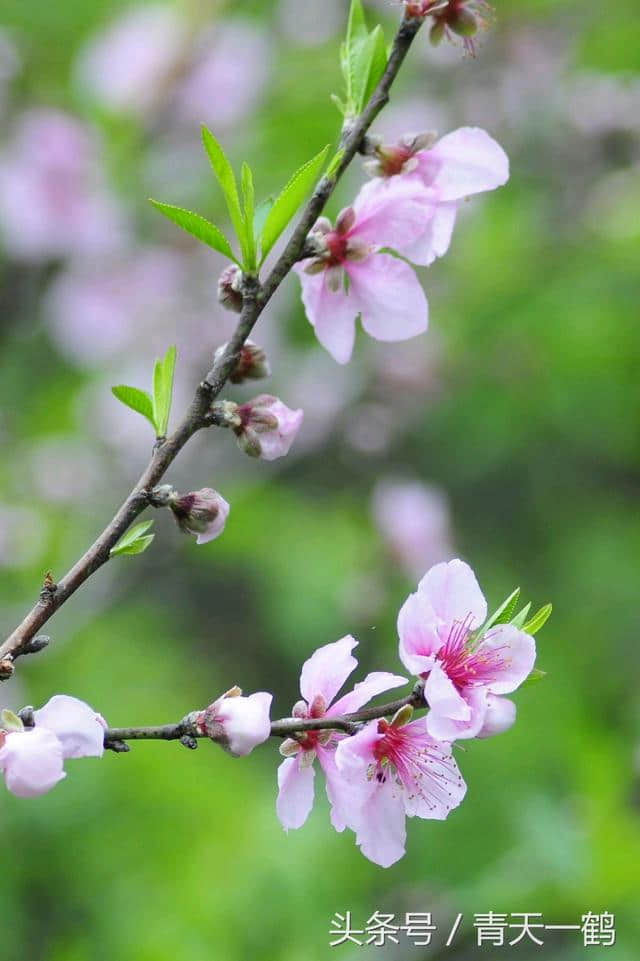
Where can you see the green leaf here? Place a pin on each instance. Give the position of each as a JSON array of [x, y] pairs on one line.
[[335, 163], [249, 202], [520, 618], [503, 613], [10, 722], [376, 66], [134, 541], [224, 173], [535, 676], [163, 390], [198, 227], [137, 400], [357, 35], [261, 214], [288, 202], [538, 620]]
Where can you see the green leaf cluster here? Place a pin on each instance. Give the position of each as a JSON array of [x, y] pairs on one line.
[[363, 59], [155, 407], [257, 228], [135, 541]]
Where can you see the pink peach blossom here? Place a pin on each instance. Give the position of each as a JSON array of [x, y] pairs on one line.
[[323, 674], [351, 277], [462, 676], [31, 759], [464, 162], [395, 771]]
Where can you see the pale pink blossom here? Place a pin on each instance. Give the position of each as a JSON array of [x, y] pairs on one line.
[[350, 277], [129, 65], [203, 513], [236, 722], [415, 523], [464, 162], [54, 201], [77, 726], [436, 626], [323, 674], [395, 771], [268, 427], [31, 759], [228, 76]]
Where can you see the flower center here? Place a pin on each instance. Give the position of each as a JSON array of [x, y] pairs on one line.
[[464, 666]]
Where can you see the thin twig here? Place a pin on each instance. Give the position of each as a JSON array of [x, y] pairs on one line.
[[255, 298], [285, 727]]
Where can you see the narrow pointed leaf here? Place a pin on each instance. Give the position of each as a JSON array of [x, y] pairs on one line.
[[535, 676], [538, 620], [289, 201], [376, 66], [521, 617], [198, 227], [226, 178], [132, 537], [136, 547], [137, 400], [163, 390], [249, 202]]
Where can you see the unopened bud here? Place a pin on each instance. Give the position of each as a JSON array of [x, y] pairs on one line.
[[252, 364], [203, 513], [7, 669], [230, 288], [268, 427]]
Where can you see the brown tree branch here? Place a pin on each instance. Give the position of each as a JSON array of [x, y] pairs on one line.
[[255, 298], [186, 730]]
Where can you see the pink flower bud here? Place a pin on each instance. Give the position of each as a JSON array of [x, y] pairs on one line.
[[203, 513], [268, 428], [237, 723], [252, 364], [230, 288]]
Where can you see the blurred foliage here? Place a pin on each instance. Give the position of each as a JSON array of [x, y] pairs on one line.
[[530, 424]]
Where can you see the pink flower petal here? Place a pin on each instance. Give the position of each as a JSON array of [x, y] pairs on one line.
[[419, 638], [438, 787], [327, 669], [340, 792], [393, 212], [445, 728], [466, 161], [499, 717], [295, 797], [373, 684], [381, 833], [76, 725], [31, 762], [443, 698], [454, 593], [333, 314], [517, 655], [217, 525], [435, 240], [389, 297]]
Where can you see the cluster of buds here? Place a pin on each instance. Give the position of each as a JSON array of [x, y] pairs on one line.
[[202, 513], [252, 363], [463, 18], [264, 427]]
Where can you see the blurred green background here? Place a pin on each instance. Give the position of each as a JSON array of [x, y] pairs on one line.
[[516, 419]]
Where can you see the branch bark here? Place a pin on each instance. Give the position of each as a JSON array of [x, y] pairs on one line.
[[255, 298], [186, 729]]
